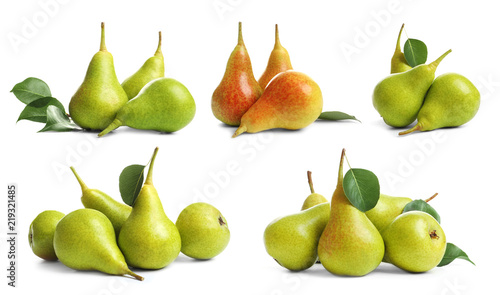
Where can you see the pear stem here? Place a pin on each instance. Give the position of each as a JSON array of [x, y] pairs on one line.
[[149, 178], [240, 130], [398, 46], [103, 37], [310, 181], [240, 34], [158, 50], [341, 168], [115, 124], [432, 197], [82, 184], [277, 43], [435, 63], [136, 276], [417, 127]]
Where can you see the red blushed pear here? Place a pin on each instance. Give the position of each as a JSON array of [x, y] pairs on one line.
[[292, 100], [279, 61], [238, 90]]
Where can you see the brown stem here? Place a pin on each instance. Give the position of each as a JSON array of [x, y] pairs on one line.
[[432, 197]]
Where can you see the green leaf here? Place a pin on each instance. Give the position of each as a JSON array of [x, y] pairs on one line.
[[36, 111], [415, 52], [362, 188], [421, 205], [31, 89], [452, 252], [131, 180], [336, 116], [58, 121]]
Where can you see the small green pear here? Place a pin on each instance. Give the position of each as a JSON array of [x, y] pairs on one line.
[[414, 241], [314, 198], [386, 210], [85, 240], [115, 211], [164, 105], [148, 238], [292, 240], [204, 231], [41, 234], [399, 97], [398, 61], [451, 101], [152, 69]]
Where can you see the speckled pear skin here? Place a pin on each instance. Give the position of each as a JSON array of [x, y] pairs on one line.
[[238, 90], [279, 61], [398, 61], [100, 96], [41, 234]]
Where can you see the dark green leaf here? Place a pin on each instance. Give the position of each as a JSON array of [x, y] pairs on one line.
[[453, 252], [362, 188], [131, 180], [30, 90], [57, 120], [37, 110], [336, 116], [421, 205], [415, 52]]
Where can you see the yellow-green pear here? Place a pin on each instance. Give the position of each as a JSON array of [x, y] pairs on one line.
[[386, 210], [41, 234], [398, 61], [314, 198]]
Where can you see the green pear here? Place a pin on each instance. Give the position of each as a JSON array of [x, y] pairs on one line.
[[292, 240], [386, 210], [152, 69], [115, 211], [98, 99], [414, 241], [399, 97], [148, 238], [204, 231], [398, 61], [350, 244], [41, 234], [164, 105], [451, 101], [314, 198], [85, 240]]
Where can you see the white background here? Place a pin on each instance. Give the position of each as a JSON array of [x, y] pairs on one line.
[[268, 169]]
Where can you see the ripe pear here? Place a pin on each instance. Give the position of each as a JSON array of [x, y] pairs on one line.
[[41, 234], [148, 238], [292, 100], [85, 240], [398, 61], [115, 211], [98, 99], [314, 198], [279, 62], [451, 101], [414, 241], [238, 90], [350, 244], [292, 240], [152, 69], [386, 210], [399, 97], [164, 105], [204, 231]]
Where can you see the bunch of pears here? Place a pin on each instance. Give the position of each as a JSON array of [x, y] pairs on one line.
[[110, 237], [281, 98], [145, 100], [349, 242], [411, 93]]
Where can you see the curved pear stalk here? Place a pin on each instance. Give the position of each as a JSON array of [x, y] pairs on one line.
[[279, 61], [398, 61]]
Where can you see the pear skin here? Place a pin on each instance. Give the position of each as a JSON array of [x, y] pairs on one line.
[[451, 101], [279, 61], [314, 198], [350, 245], [100, 96], [398, 61], [41, 234], [153, 68], [386, 210], [238, 90], [292, 100]]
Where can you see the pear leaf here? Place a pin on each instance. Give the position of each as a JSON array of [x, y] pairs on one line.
[[36, 110], [452, 252], [131, 180], [421, 205], [362, 188], [336, 116], [415, 52], [57, 120], [31, 89]]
